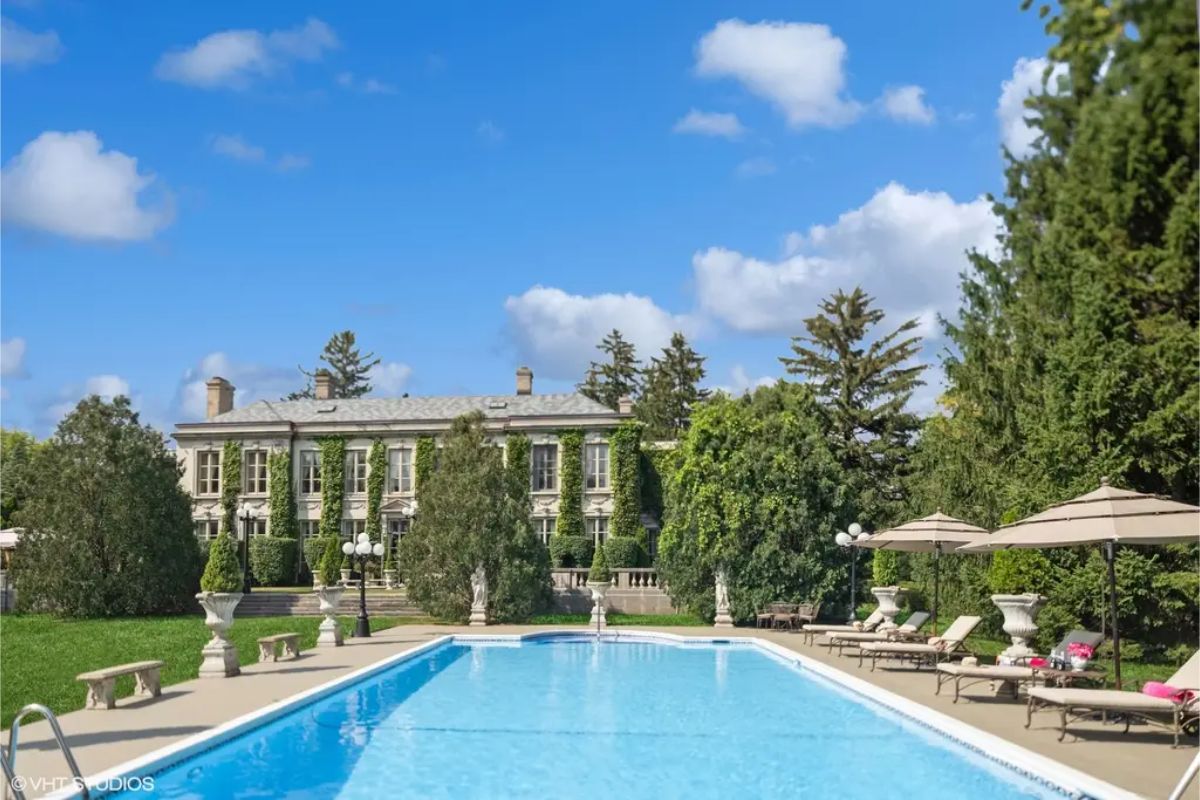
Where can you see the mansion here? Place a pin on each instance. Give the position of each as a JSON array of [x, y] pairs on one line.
[[296, 426]]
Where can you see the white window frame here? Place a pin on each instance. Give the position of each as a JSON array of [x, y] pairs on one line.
[[596, 455], [309, 528], [544, 528], [598, 529], [254, 483], [355, 472], [351, 528], [206, 529], [310, 472], [539, 473], [400, 470], [258, 526], [208, 473]]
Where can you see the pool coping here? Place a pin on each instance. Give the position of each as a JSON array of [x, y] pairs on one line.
[[1000, 751]]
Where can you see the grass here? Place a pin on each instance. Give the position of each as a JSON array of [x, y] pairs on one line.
[[41, 655], [615, 620]]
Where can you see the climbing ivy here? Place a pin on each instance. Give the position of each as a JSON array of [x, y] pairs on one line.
[[625, 444], [283, 502], [333, 467], [516, 466], [231, 486], [570, 477], [376, 477], [423, 459]]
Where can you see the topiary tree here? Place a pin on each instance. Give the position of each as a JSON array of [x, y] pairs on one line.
[[376, 478], [314, 551], [885, 568], [231, 485], [333, 467], [599, 571], [108, 529], [331, 561], [223, 573]]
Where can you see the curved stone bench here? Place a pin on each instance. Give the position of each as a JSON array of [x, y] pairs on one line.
[[102, 682]]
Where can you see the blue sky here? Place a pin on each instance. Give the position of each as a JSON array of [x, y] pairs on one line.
[[218, 187]]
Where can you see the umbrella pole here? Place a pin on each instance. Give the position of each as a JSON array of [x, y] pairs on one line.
[[937, 552], [1110, 556]]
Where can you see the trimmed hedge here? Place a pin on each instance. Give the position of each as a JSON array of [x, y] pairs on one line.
[[570, 551], [314, 550], [624, 551], [273, 560]]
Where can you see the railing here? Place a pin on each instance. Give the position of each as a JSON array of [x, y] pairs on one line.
[[622, 577]]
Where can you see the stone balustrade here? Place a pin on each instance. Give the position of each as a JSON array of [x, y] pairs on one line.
[[622, 577]]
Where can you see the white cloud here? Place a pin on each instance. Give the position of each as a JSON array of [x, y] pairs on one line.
[[710, 123], [12, 358], [106, 386], [905, 248], [740, 382], [907, 104], [490, 132], [235, 58], [21, 47], [63, 184], [253, 382], [796, 66], [556, 333], [389, 378], [1026, 80], [367, 86], [237, 148], [755, 168]]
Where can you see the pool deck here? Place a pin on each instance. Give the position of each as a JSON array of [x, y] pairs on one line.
[[1142, 761]]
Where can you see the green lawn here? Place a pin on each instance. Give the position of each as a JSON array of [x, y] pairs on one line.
[[41, 655]]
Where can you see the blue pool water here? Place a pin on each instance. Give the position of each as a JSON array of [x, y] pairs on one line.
[[581, 719]]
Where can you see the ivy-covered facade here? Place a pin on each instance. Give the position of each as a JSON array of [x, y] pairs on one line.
[[383, 446]]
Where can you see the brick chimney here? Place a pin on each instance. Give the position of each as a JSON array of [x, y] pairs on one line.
[[524, 380], [625, 405], [220, 396], [323, 382]]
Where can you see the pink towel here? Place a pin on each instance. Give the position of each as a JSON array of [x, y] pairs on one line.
[[1156, 689]]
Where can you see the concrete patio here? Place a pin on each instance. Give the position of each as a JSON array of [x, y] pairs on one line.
[[1142, 761]]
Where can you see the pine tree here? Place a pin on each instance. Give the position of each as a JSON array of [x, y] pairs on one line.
[[618, 377], [863, 389], [672, 389], [348, 367]]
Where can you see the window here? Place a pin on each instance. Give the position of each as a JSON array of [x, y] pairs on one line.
[[400, 478], [351, 528], [597, 528], [255, 471], [397, 527], [544, 528], [356, 471], [545, 467], [258, 526], [310, 528], [597, 466], [310, 472], [207, 528], [208, 472]]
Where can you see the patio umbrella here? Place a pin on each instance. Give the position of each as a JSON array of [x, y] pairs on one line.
[[1108, 516], [929, 534]]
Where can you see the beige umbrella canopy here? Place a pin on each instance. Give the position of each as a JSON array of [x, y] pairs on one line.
[[1110, 516], [931, 534]]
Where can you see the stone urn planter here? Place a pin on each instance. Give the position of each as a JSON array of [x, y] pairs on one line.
[[888, 597], [345, 575], [330, 630], [220, 655], [1020, 612], [599, 612], [389, 578]]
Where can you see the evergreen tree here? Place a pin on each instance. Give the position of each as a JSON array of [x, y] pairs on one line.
[[620, 376], [672, 389], [346, 365], [863, 389], [17, 449]]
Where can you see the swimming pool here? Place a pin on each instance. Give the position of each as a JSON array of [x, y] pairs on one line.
[[634, 716]]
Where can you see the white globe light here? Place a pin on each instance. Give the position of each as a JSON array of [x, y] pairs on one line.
[[843, 539], [855, 529], [363, 537], [377, 549], [363, 548], [862, 537], [348, 548]]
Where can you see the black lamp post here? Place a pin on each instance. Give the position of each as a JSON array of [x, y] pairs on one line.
[[847, 539], [361, 551], [247, 521]]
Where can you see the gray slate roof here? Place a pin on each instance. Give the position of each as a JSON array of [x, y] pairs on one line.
[[402, 409]]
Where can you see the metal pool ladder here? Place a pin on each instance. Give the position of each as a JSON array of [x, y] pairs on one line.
[[9, 759]]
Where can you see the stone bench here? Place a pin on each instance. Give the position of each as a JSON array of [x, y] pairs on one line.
[[267, 649], [102, 682]]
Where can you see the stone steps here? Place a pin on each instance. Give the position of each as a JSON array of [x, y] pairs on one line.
[[284, 604]]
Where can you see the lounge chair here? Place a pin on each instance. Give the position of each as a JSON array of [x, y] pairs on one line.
[[910, 630], [869, 624], [1012, 675], [1076, 704], [935, 650]]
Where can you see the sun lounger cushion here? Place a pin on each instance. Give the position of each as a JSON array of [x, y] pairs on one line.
[[987, 671], [1103, 698], [900, 647]]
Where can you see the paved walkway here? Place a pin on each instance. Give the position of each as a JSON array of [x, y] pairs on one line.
[[1142, 761]]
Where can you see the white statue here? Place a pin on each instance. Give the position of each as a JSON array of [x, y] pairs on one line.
[[479, 593], [723, 618]]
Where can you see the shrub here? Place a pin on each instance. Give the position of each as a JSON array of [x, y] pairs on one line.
[[282, 499], [331, 561], [314, 551], [222, 573], [1020, 571], [625, 444], [623, 551], [231, 465], [273, 560], [333, 467], [885, 568], [570, 483], [571, 551], [599, 572]]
